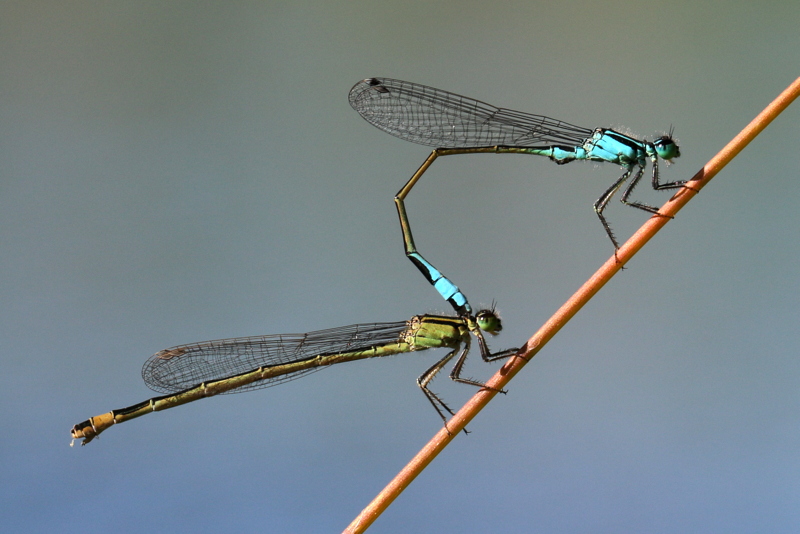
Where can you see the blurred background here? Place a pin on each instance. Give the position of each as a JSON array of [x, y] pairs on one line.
[[178, 171]]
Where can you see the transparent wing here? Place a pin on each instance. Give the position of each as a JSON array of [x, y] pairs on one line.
[[185, 366], [437, 118]]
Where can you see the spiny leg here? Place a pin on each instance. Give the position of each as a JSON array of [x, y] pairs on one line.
[[487, 355], [455, 374], [656, 186], [633, 183], [434, 399], [602, 202]]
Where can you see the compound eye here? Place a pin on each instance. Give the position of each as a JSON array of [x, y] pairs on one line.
[[488, 322], [666, 148]]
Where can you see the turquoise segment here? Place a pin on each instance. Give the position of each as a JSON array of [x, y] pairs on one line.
[[603, 145], [564, 155], [613, 147], [447, 289]]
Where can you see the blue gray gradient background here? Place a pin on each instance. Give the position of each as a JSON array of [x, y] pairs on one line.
[[179, 171]]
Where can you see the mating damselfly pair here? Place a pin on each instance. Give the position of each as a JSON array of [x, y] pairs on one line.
[[453, 124]]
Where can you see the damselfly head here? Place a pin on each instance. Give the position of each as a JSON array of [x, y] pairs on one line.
[[488, 321], [666, 148]]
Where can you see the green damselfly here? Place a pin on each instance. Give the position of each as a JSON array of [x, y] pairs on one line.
[[191, 372], [456, 124]]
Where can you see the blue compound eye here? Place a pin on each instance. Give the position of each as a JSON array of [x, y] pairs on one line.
[[666, 148]]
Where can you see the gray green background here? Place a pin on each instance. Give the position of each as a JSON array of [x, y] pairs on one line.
[[181, 171]]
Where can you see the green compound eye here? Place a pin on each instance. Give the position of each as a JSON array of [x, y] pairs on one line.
[[488, 321]]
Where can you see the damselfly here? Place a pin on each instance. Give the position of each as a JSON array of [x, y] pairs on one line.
[[191, 372], [456, 124]]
